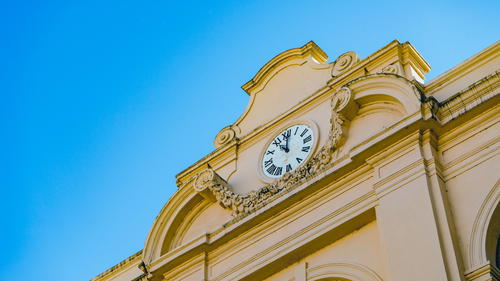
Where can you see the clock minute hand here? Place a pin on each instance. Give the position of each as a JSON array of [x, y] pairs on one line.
[[286, 148]]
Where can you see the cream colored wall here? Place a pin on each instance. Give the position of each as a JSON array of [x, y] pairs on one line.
[[287, 87], [470, 158], [191, 270], [205, 218], [372, 118], [268, 239], [361, 247]]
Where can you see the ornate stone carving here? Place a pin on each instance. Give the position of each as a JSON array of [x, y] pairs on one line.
[[210, 185], [344, 62], [391, 69], [207, 182], [226, 135]]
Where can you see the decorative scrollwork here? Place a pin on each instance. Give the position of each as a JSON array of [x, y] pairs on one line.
[[226, 135], [344, 62], [391, 69], [241, 204], [341, 99]]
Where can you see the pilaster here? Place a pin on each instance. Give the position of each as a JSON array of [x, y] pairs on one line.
[[406, 214]]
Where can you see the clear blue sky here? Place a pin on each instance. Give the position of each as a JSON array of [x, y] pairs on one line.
[[103, 102]]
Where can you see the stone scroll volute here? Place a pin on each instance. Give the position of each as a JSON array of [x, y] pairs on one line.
[[225, 136], [344, 62]]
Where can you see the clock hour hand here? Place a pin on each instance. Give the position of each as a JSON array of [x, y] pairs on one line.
[[285, 147], [287, 142]]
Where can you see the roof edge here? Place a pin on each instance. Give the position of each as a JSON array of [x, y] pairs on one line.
[[309, 49], [117, 266], [460, 69]]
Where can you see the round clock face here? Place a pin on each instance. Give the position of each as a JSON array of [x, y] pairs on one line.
[[288, 150]]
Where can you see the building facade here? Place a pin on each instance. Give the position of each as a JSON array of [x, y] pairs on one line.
[[350, 170]]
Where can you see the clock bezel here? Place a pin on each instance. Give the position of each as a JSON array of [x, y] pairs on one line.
[[311, 124]]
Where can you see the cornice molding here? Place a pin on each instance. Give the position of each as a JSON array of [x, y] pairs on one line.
[[116, 268], [409, 55], [309, 49], [468, 98], [463, 68]]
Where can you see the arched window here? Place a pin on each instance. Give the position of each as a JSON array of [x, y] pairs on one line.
[[341, 271], [484, 240], [498, 252], [493, 238]]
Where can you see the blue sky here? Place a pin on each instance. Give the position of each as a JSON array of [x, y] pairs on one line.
[[104, 102]]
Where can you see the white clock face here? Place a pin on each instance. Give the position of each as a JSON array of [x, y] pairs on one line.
[[288, 150]]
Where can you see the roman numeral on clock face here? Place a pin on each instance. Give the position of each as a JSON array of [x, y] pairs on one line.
[[271, 169], [299, 159], [307, 139], [306, 148], [277, 142], [268, 162], [304, 132], [287, 134], [270, 152], [278, 171], [288, 168]]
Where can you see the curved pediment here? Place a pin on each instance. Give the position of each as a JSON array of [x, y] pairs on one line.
[[281, 84], [281, 61]]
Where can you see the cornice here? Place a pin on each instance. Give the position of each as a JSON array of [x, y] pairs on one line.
[[116, 268], [309, 49], [468, 98], [411, 56], [474, 62], [472, 125]]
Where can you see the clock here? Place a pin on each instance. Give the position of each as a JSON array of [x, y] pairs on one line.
[[288, 150]]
